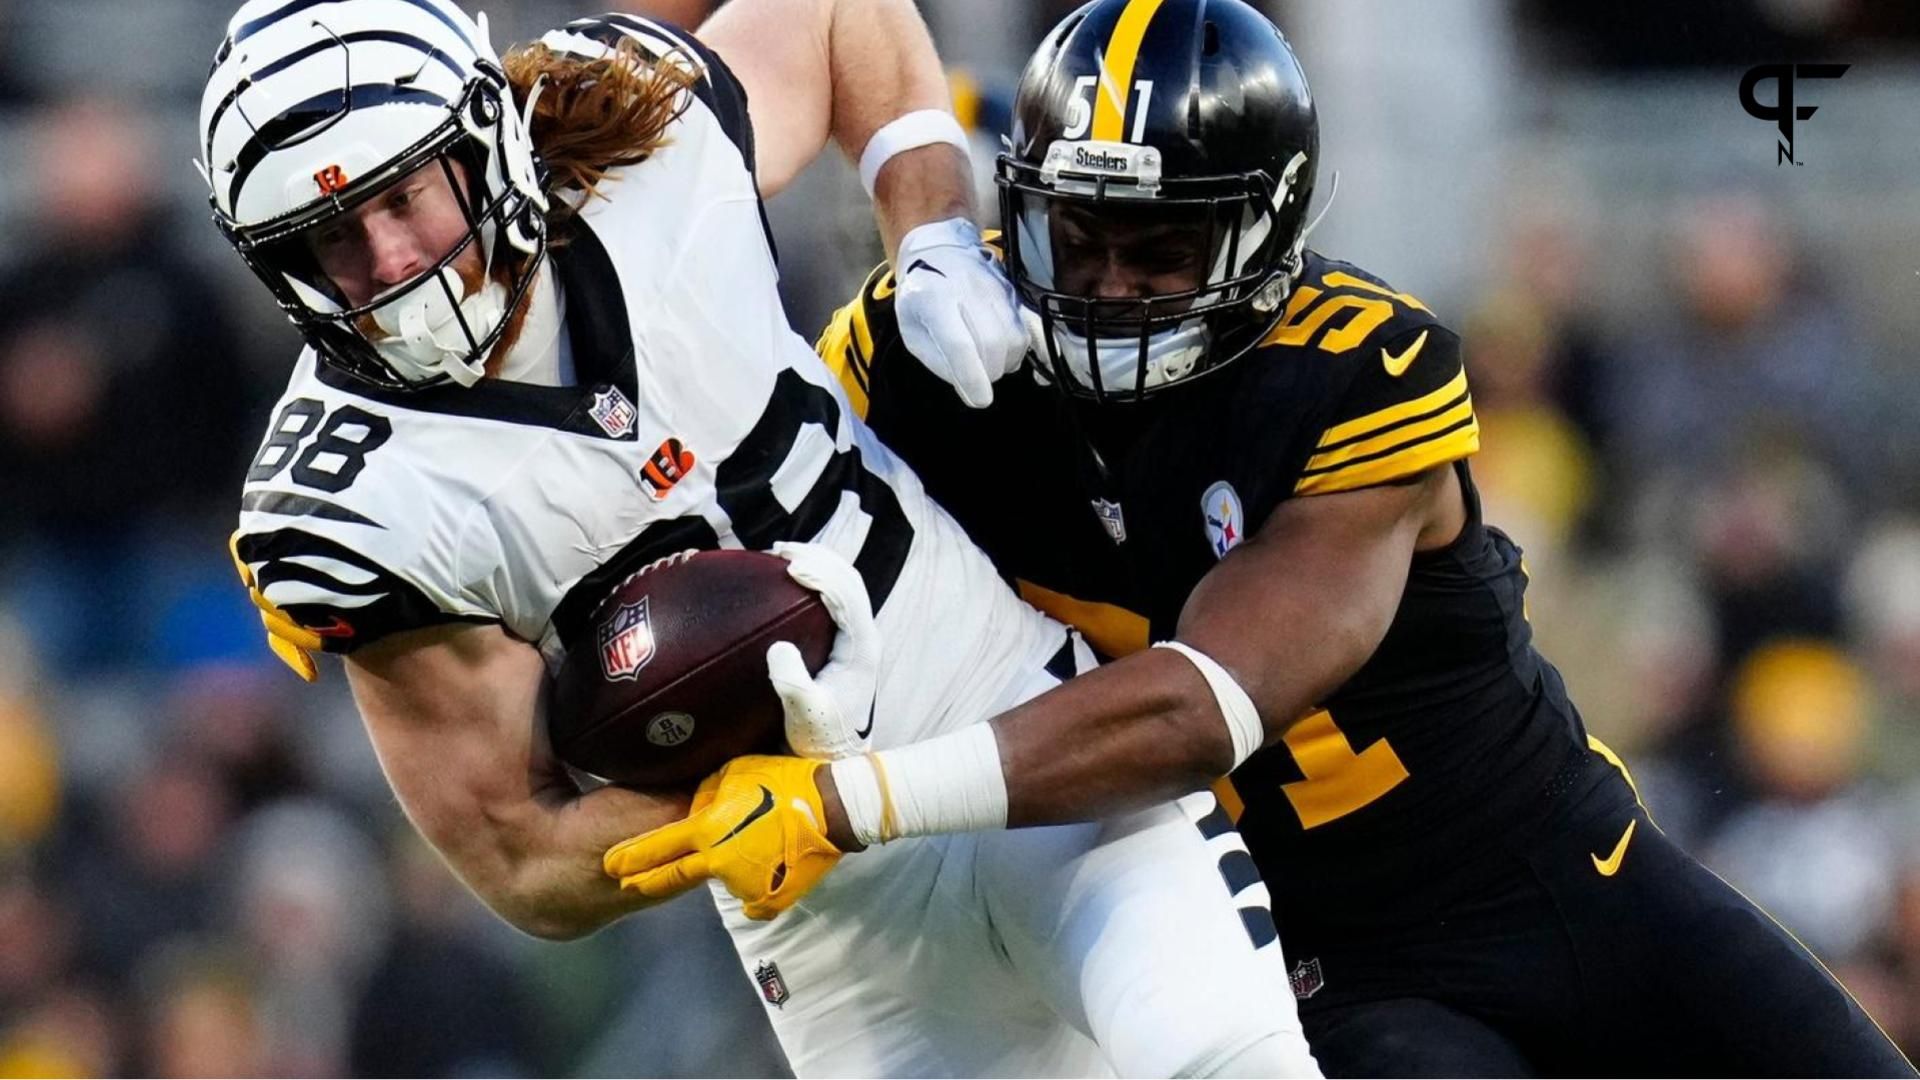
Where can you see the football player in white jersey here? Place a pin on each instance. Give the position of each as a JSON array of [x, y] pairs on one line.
[[544, 350]]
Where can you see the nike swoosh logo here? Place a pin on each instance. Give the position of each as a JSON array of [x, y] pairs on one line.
[[338, 628], [868, 730], [1610, 865], [922, 264], [1398, 365], [765, 808]]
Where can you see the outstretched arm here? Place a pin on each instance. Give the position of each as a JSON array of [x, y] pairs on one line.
[[1291, 614], [1288, 616], [456, 716], [843, 69]]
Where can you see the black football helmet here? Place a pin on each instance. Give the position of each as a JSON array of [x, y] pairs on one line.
[[1154, 191]]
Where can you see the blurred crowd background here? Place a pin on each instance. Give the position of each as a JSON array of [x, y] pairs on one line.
[[1696, 369]]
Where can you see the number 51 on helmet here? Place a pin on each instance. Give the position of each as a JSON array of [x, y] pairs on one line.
[[1154, 191]]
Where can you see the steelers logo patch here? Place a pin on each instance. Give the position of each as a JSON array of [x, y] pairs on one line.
[[1226, 522]]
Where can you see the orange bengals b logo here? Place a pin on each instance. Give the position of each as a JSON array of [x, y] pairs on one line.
[[669, 465], [331, 179]]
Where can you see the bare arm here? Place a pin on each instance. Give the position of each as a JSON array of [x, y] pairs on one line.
[[1292, 614], [815, 69], [454, 714]]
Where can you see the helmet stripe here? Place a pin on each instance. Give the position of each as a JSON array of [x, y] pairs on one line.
[[293, 7], [248, 29], [1116, 69], [297, 120], [397, 37]]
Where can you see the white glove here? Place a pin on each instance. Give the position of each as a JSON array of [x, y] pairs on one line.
[[829, 715], [957, 309]]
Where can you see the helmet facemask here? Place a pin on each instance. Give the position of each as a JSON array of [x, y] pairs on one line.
[[443, 321], [1132, 282]]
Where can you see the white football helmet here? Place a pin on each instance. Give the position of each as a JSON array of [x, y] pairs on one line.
[[315, 106]]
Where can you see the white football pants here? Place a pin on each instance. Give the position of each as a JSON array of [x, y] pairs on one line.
[[1113, 947]]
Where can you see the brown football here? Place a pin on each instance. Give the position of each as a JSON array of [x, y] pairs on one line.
[[669, 678]]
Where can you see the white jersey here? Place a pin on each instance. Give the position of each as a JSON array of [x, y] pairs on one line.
[[701, 420]]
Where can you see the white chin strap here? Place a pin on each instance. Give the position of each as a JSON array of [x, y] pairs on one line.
[[1172, 354], [424, 339]]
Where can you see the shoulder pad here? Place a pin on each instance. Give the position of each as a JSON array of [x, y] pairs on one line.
[[1405, 408], [317, 594], [354, 548], [1396, 399]]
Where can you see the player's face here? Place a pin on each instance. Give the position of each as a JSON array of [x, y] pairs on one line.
[[393, 237], [1117, 252]]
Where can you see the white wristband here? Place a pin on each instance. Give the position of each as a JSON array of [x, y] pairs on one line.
[[1243, 720], [909, 132], [949, 783]]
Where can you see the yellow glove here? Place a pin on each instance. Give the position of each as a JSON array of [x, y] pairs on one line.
[[757, 826]]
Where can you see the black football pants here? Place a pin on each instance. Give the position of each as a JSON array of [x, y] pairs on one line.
[[1656, 968]]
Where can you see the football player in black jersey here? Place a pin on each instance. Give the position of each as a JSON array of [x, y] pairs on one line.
[[1257, 455]]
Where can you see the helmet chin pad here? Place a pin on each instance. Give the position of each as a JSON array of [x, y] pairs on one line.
[[1171, 354], [430, 335]]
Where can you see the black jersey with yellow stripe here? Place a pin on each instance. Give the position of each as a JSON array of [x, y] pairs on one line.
[[1410, 775]]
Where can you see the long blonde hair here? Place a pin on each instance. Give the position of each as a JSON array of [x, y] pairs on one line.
[[593, 115]]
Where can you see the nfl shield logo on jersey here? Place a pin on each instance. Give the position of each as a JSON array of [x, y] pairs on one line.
[[1111, 519], [626, 641], [613, 412], [772, 986], [1306, 978], [1225, 520]]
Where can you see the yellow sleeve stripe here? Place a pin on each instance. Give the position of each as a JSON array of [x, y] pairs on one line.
[[862, 356], [1116, 71], [836, 347], [1398, 436], [1393, 414], [1415, 459], [847, 343]]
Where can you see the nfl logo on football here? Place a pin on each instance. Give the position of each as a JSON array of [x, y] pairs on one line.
[[626, 641]]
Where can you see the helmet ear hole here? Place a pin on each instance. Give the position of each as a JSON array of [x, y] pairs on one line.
[[485, 109]]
